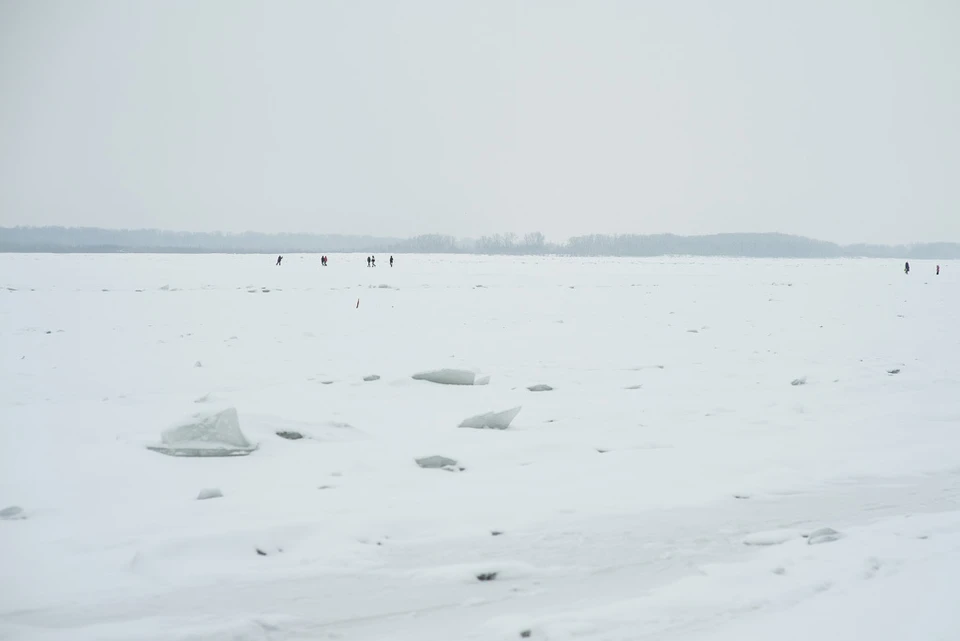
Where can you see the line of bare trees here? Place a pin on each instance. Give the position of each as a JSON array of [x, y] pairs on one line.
[[64, 239]]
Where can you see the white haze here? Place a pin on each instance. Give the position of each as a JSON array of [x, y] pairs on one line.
[[835, 120]]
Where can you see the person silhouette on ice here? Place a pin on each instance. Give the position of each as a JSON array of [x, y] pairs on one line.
[[906, 268], [391, 263], [279, 260], [368, 261]]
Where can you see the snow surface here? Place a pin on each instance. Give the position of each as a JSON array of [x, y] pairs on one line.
[[613, 500]]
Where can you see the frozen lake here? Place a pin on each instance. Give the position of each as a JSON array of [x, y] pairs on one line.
[[706, 415]]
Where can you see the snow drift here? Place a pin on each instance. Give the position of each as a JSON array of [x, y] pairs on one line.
[[823, 535]]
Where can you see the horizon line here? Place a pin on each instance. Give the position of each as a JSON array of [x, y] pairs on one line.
[[514, 236]]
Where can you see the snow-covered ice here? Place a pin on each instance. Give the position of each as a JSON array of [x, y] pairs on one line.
[[609, 510]]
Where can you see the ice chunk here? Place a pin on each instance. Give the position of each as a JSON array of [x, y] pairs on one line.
[[210, 493], [823, 535], [435, 462], [540, 388], [799, 381], [290, 435], [492, 420], [452, 377], [12, 513], [206, 434], [371, 378], [222, 428]]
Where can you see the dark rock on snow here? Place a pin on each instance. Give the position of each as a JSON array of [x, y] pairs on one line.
[[12, 513], [540, 388]]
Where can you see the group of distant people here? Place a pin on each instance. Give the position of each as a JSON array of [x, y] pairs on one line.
[[906, 268], [371, 261]]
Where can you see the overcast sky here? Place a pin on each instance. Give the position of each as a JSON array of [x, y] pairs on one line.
[[833, 119]]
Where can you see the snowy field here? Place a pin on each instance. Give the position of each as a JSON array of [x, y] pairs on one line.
[[706, 417]]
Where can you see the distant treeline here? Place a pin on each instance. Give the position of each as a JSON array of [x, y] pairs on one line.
[[93, 240]]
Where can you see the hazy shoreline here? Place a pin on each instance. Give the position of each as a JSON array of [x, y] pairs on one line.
[[62, 240]]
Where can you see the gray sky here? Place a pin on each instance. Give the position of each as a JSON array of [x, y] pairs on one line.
[[838, 120]]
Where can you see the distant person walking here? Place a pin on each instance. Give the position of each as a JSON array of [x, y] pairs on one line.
[[391, 264], [906, 268], [368, 261], [279, 260], [938, 270], [373, 261]]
